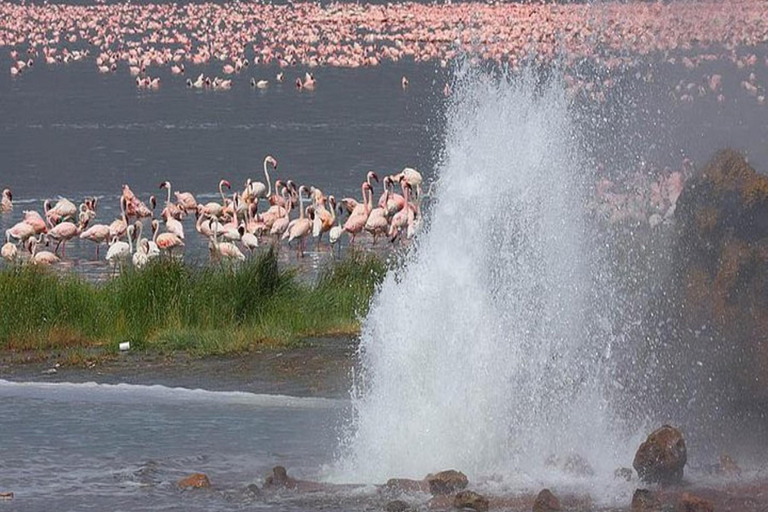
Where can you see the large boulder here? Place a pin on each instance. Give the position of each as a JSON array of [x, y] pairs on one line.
[[279, 479], [396, 506], [446, 482], [546, 502], [645, 501], [662, 457], [690, 503], [470, 500]]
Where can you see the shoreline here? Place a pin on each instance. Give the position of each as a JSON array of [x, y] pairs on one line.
[[315, 367]]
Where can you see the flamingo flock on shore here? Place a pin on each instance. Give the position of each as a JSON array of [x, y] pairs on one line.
[[232, 38], [268, 212]]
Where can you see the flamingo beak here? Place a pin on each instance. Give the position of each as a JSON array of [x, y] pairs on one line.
[[375, 176], [226, 184]]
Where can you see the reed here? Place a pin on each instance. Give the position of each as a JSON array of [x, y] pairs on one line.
[[171, 305]]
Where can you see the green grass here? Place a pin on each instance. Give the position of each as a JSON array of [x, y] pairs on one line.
[[172, 306]]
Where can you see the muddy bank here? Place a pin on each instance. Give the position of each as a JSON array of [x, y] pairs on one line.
[[316, 367]]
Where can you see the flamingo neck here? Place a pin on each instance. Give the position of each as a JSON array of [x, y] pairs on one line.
[[168, 199], [269, 182]]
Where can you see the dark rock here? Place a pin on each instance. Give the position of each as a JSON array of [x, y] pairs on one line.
[[728, 466], [577, 465], [690, 503], [194, 481], [253, 490], [624, 474], [645, 501], [407, 485], [396, 506], [470, 500], [546, 502], [662, 457], [279, 479], [446, 482]]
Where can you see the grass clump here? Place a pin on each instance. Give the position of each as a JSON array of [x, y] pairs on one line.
[[171, 305]]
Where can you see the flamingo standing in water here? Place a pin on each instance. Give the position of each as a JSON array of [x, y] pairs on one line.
[[6, 202], [356, 221], [166, 241], [299, 228], [9, 252], [66, 231], [186, 201], [63, 210], [40, 257], [335, 234], [259, 189], [222, 250], [118, 227], [120, 252], [214, 209], [404, 217], [98, 234]]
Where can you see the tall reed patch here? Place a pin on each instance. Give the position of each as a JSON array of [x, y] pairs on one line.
[[171, 305]]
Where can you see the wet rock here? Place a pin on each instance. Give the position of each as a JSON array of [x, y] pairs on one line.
[[253, 490], [194, 481], [577, 465], [546, 502], [690, 503], [470, 500], [728, 466], [662, 457], [624, 474], [407, 485], [446, 482], [279, 479], [396, 506], [645, 501]]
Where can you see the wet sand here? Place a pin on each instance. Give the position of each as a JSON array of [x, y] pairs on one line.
[[316, 367]]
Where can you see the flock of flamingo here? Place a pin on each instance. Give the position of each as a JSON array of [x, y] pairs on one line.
[[235, 36], [292, 214]]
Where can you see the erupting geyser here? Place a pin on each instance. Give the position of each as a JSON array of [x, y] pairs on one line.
[[490, 352]]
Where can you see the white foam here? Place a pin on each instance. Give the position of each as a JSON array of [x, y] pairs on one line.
[[136, 393], [481, 353]]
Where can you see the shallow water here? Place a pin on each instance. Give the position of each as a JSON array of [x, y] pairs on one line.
[[123, 447]]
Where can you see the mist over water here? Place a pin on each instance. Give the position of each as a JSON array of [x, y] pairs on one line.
[[491, 350]]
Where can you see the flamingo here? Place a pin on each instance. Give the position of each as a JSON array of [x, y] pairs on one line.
[[280, 225], [6, 203], [356, 221], [259, 189], [119, 252], [9, 252], [40, 257], [35, 220], [404, 216], [412, 177], [167, 242], [141, 256], [377, 222], [324, 219], [21, 231], [222, 250], [66, 231], [186, 201], [214, 209], [119, 226], [63, 210], [249, 240], [98, 234], [336, 231], [301, 227]]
